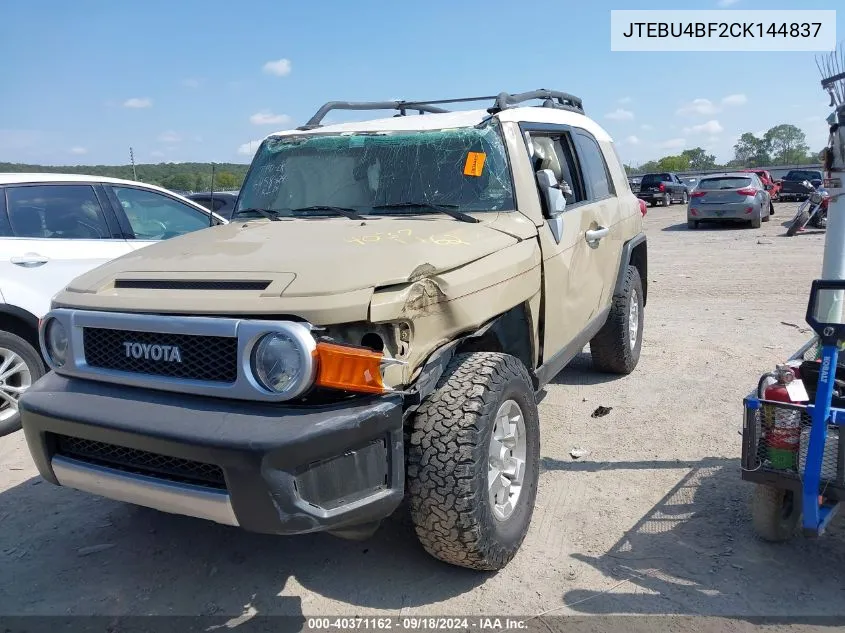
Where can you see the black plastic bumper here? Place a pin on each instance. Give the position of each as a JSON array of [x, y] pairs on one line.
[[282, 469]]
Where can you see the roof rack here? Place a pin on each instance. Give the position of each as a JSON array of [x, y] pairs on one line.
[[502, 101]]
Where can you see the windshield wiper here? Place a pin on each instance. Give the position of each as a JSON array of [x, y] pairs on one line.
[[448, 209], [267, 213], [352, 214]]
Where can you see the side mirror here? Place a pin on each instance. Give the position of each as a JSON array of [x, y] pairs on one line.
[[550, 188]]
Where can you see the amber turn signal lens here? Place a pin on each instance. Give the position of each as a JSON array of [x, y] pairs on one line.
[[349, 368]]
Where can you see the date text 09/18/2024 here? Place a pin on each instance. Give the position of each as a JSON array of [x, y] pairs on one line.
[[416, 623]]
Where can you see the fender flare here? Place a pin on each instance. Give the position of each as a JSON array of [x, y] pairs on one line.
[[627, 253], [19, 313]]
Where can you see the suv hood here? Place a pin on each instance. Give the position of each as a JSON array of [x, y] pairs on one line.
[[296, 258]]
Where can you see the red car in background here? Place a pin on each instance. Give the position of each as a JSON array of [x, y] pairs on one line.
[[767, 179]]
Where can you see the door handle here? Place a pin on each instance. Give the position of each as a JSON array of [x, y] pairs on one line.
[[595, 235], [30, 260]]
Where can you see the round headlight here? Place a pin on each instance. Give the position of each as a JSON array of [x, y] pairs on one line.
[[278, 362], [55, 338]]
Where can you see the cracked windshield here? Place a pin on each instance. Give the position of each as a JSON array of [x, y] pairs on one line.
[[462, 170]]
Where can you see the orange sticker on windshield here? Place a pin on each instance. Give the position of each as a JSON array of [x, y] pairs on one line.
[[475, 163]]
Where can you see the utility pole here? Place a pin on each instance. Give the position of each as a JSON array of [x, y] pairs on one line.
[[132, 160], [833, 266]]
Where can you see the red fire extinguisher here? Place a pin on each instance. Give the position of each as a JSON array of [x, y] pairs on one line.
[[781, 425]]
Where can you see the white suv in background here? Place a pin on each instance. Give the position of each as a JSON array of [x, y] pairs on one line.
[[53, 228]]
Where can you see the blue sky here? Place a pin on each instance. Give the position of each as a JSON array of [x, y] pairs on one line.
[[197, 81]]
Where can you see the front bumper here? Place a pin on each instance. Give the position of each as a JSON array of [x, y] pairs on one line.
[[261, 466]]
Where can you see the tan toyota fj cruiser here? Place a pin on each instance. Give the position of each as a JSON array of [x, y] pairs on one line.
[[373, 325]]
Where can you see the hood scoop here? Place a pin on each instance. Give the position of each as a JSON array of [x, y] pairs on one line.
[[193, 284]]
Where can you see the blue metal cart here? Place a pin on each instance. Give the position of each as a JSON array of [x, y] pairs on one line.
[[803, 483]]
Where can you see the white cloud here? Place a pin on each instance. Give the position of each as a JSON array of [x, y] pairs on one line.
[[710, 127], [631, 140], [248, 149], [138, 102], [78, 150], [698, 106], [727, 3], [191, 82], [280, 67], [625, 100], [673, 143], [647, 127], [265, 117], [620, 114], [735, 100], [170, 137]]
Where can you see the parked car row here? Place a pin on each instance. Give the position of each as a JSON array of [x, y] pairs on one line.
[[55, 227]]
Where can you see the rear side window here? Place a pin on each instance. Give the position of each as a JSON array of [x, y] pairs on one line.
[[594, 167], [654, 179], [714, 184], [800, 174], [70, 212]]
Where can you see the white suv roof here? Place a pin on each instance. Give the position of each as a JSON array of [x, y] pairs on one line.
[[9, 178], [464, 118]]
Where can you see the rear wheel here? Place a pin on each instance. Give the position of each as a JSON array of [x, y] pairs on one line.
[[775, 513], [616, 348], [692, 224], [685, 198], [474, 462], [757, 222], [20, 367], [667, 200]]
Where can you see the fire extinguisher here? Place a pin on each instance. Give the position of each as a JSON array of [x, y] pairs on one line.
[[781, 425]]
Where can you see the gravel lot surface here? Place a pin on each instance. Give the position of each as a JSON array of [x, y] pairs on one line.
[[653, 520]]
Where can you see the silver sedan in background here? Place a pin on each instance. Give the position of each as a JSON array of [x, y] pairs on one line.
[[734, 197]]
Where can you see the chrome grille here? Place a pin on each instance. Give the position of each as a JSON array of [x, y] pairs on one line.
[[140, 462], [207, 358]]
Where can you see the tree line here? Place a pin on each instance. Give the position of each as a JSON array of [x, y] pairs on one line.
[[782, 144], [174, 176]]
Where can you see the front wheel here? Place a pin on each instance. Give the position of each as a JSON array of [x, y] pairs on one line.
[[616, 347], [474, 462], [775, 513], [798, 221], [20, 367]]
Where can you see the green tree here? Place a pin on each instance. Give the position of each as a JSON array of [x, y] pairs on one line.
[[788, 143], [750, 151], [226, 180], [180, 182], [699, 159], [673, 163]]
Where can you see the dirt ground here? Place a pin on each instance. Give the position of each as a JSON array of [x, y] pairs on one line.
[[653, 520]]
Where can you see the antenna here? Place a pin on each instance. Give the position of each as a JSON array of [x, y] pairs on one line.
[[132, 160], [211, 211]]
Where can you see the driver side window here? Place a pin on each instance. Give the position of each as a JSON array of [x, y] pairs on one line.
[[154, 216], [554, 152]]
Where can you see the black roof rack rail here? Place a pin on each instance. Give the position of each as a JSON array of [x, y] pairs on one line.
[[502, 101]]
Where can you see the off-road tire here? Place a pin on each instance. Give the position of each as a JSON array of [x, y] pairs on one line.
[[36, 368], [772, 519], [448, 456], [611, 348], [692, 224], [757, 222], [798, 223]]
